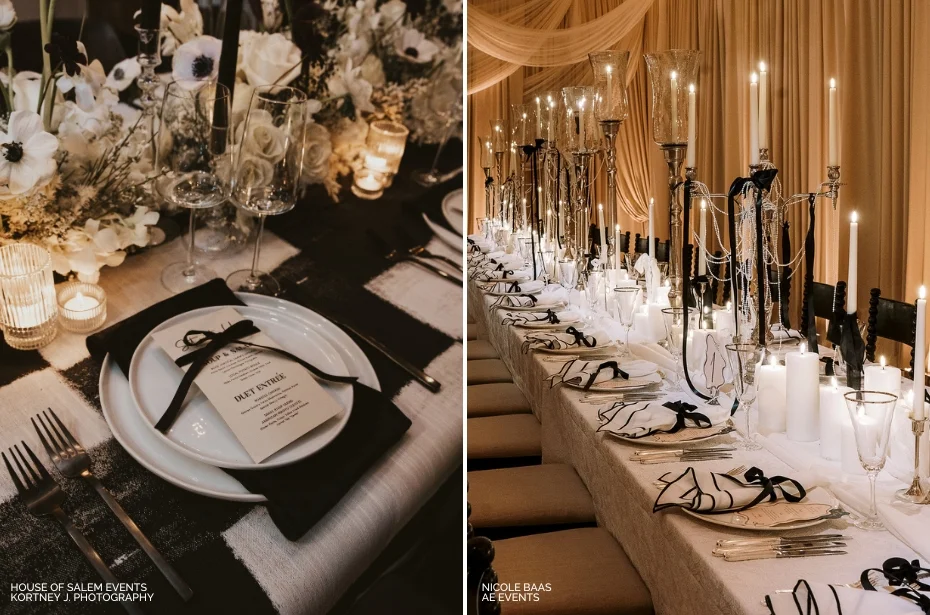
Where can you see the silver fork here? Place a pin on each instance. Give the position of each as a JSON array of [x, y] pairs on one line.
[[43, 498], [73, 461]]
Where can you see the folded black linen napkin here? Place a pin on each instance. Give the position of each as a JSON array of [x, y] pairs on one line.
[[299, 494]]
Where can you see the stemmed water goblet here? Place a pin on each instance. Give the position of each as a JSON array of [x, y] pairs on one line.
[[268, 165], [744, 359], [568, 273], [871, 413], [594, 291], [192, 161], [626, 300]]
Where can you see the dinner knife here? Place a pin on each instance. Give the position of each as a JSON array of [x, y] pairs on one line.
[[778, 540], [422, 377], [681, 451], [779, 554]]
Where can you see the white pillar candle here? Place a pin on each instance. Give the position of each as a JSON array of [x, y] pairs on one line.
[[753, 119], [833, 158], [772, 390], [803, 395], [652, 243], [642, 325], [852, 283], [763, 106], [661, 297], [550, 126], [883, 378], [702, 244], [833, 416], [603, 226], [538, 120], [657, 321], [674, 96], [919, 366], [692, 127]]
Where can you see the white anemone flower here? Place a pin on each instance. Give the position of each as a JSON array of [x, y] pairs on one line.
[[414, 46], [196, 61], [123, 74], [350, 83], [26, 154]]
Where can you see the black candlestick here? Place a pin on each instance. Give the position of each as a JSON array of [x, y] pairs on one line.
[[151, 14], [229, 55]]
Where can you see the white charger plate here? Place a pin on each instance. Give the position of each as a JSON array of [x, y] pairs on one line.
[[446, 236], [732, 520], [152, 452], [453, 211]]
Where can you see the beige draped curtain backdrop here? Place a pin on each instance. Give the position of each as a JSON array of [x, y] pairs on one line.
[[878, 50]]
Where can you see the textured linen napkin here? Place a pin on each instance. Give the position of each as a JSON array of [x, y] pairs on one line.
[[561, 340], [529, 318], [710, 492], [301, 493], [550, 297], [668, 416], [530, 287]]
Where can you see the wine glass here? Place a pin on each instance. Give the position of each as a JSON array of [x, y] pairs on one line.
[[744, 359], [445, 101], [626, 300], [269, 161], [594, 289], [871, 413], [568, 273], [192, 161]]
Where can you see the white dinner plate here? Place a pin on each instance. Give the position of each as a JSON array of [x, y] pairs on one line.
[[732, 520], [453, 211], [449, 238], [200, 431], [151, 451], [717, 431]]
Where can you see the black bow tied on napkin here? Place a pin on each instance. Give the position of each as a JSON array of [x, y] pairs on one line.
[[214, 341], [618, 373], [551, 317], [686, 412], [581, 339], [901, 572], [514, 288], [755, 476]]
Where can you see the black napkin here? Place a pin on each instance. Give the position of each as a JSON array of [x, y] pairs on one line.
[[299, 494]]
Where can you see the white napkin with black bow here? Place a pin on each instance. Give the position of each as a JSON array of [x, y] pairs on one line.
[[561, 340], [821, 599], [782, 334], [518, 288], [548, 317], [710, 492], [588, 373], [550, 297], [501, 273], [642, 419], [496, 260]]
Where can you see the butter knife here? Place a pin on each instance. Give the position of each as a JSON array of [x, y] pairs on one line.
[[778, 540], [779, 554]]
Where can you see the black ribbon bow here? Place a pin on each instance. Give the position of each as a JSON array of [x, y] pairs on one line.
[[514, 288], [617, 373], [581, 338], [686, 412], [551, 317], [770, 486], [488, 182], [532, 298], [905, 574], [211, 343]]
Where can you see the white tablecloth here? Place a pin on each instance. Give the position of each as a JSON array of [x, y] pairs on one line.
[[670, 550]]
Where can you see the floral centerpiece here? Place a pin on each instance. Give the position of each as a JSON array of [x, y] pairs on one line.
[[74, 173]]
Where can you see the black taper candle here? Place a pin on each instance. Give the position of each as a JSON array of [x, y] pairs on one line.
[[151, 15], [761, 277], [229, 57], [731, 229], [783, 279], [686, 292]]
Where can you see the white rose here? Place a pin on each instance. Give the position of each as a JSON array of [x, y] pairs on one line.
[[7, 15], [262, 138], [270, 59], [317, 150], [253, 174], [242, 96], [372, 71]]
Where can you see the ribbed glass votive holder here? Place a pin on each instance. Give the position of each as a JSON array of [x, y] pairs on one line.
[[28, 309], [82, 307]]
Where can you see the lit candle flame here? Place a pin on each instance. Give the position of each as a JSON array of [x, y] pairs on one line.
[[617, 227], [691, 87], [703, 204], [922, 292], [882, 361], [773, 361], [835, 384], [832, 84], [803, 347], [674, 75], [854, 217], [761, 67], [754, 78], [609, 69]]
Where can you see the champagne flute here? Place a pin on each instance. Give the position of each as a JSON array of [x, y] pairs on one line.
[[445, 101], [192, 160], [871, 413], [626, 300], [744, 359], [269, 161]]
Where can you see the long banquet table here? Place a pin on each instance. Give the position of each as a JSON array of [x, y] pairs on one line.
[[231, 554], [671, 550]]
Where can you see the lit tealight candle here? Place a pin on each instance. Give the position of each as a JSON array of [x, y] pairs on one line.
[[81, 303], [82, 306]]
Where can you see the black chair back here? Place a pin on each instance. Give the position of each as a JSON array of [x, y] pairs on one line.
[[891, 320], [479, 556], [642, 244], [663, 250]]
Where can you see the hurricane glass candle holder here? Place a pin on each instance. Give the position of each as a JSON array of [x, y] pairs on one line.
[[386, 141], [82, 307], [28, 310], [670, 74]]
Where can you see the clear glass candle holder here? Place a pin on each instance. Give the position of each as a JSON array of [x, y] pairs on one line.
[[28, 309], [368, 184], [82, 307], [670, 74], [386, 143]]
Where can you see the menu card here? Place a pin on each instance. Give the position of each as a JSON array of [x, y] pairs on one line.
[[267, 400]]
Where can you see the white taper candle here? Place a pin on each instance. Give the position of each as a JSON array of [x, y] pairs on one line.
[[852, 282]]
